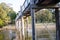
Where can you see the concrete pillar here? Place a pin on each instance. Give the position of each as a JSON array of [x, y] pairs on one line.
[[22, 28], [27, 27]]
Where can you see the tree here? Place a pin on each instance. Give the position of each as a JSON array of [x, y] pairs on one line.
[[1, 23], [44, 15], [4, 11], [12, 15]]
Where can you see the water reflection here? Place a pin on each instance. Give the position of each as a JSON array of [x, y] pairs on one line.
[[7, 35], [12, 35]]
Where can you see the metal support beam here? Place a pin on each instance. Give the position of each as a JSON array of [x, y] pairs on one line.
[[57, 15], [33, 23]]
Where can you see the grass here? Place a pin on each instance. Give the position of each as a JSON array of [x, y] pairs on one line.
[[41, 31]]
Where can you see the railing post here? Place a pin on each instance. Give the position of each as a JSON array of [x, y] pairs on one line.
[[31, 1], [57, 15]]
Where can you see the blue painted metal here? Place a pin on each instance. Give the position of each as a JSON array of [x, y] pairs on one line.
[[57, 15], [33, 23]]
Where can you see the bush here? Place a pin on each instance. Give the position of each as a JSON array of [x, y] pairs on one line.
[[1, 23]]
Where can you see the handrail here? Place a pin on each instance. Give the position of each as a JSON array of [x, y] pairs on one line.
[[25, 4]]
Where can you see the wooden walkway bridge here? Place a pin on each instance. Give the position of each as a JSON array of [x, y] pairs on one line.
[[29, 8]]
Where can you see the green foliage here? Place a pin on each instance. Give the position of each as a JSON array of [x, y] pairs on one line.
[[1, 23], [44, 16], [12, 16], [4, 11]]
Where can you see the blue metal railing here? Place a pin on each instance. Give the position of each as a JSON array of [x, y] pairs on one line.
[[25, 4]]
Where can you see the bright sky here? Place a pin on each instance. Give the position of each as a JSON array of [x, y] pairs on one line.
[[15, 4]]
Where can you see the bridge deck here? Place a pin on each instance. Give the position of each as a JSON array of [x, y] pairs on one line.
[[36, 4]]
